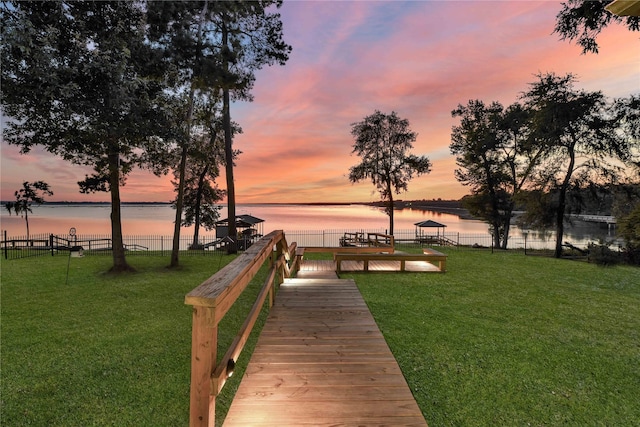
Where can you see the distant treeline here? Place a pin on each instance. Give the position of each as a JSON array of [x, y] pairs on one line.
[[453, 207], [97, 203], [592, 200]]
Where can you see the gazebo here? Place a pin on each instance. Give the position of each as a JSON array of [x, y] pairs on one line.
[[422, 237], [249, 229]]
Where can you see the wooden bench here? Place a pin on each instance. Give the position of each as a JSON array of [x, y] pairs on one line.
[[428, 255]]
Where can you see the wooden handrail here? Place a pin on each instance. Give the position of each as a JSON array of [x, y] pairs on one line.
[[212, 300]]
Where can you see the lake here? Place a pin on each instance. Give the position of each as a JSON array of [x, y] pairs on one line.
[[325, 220]]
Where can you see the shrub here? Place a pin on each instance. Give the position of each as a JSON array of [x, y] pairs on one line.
[[601, 254]]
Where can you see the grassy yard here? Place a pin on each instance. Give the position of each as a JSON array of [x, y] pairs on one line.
[[500, 339], [504, 339], [104, 350]]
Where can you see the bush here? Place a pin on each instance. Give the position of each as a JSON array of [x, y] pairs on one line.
[[601, 254], [631, 254]]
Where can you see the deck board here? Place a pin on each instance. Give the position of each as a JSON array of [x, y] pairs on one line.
[[388, 266], [324, 268], [321, 360]]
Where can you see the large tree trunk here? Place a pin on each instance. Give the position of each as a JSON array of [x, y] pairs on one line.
[[496, 232], [232, 247], [26, 220], [390, 209], [562, 202], [175, 250], [559, 225], [232, 233], [117, 242], [196, 231], [507, 227]]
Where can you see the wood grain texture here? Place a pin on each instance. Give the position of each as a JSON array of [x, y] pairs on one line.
[[321, 360]]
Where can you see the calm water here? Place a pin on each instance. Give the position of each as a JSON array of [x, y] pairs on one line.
[[145, 219]]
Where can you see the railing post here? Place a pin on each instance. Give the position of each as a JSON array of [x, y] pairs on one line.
[[204, 347], [280, 273], [51, 243], [6, 252]]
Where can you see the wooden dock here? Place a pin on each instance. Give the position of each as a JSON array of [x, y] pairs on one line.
[[321, 360]]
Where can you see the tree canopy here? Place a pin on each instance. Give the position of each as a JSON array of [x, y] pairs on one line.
[[583, 20], [383, 142], [495, 159], [582, 137], [216, 47], [80, 80]]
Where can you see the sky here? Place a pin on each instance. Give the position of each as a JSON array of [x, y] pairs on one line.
[[420, 59]]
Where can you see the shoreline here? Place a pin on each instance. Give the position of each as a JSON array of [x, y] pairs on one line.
[[451, 207]]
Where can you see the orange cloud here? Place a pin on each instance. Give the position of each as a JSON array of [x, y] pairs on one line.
[[420, 59]]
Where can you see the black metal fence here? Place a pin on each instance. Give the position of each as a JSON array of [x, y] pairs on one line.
[[49, 244]]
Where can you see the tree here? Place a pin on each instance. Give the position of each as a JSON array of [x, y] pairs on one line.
[[581, 137], [583, 20], [629, 229], [201, 193], [180, 30], [383, 142], [80, 80], [216, 48], [477, 145], [200, 198], [626, 206], [251, 38], [30, 193], [494, 159]]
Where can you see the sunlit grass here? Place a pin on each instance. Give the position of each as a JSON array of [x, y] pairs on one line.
[[103, 349], [504, 339], [500, 339]]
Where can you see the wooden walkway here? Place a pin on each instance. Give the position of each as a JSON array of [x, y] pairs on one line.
[[321, 360]]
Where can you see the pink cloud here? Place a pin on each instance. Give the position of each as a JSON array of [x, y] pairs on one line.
[[420, 59]]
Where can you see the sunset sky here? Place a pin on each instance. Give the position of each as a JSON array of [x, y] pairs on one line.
[[418, 58]]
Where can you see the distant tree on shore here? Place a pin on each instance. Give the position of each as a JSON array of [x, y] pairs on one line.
[[383, 142], [31, 193]]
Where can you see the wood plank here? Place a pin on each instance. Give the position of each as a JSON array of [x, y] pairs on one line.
[[321, 360]]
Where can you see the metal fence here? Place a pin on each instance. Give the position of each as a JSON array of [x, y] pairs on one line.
[[331, 238], [49, 244]]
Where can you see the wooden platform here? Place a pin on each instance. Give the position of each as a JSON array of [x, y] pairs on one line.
[[327, 268], [396, 261], [321, 360], [388, 266]]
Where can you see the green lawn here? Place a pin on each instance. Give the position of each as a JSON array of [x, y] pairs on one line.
[[504, 339], [500, 339]]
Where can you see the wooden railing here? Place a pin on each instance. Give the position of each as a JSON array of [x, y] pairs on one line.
[[212, 300]]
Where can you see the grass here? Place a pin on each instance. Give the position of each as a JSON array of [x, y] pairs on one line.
[[104, 350], [504, 339], [500, 339]]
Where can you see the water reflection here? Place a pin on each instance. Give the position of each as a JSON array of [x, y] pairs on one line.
[[157, 219]]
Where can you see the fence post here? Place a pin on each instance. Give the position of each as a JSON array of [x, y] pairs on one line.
[[51, 243], [204, 347], [6, 253]]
